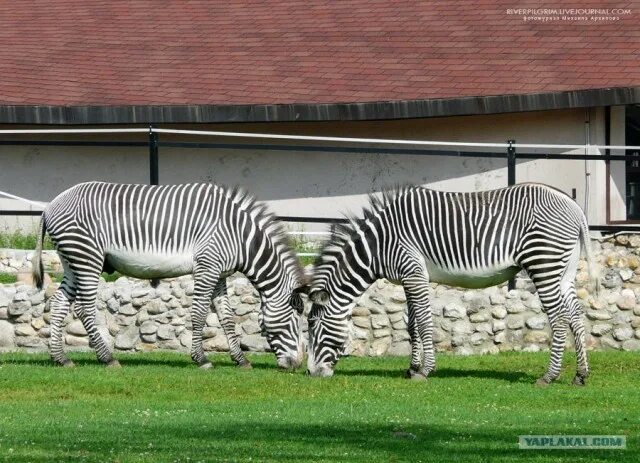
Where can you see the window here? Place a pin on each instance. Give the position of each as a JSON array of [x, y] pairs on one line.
[[632, 166]]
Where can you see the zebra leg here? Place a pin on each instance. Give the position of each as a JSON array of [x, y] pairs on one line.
[[552, 296], [85, 309], [225, 315], [416, 286], [576, 324], [204, 281], [416, 346], [553, 275], [59, 305], [559, 325]]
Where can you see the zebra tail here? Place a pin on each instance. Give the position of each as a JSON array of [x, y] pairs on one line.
[[594, 270], [38, 268]]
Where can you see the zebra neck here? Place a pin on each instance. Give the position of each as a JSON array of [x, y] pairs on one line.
[[267, 283], [263, 266], [357, 269]]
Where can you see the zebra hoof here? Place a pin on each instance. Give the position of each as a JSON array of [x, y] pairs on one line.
[[415, 375], [67, 364], [578, 380], [543, 382], [113, 364], [245, 365], [206, 366]]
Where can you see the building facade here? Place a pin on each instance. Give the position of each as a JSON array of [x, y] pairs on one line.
[[408, 70]]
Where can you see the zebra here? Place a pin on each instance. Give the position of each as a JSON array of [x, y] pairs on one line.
[[154, 232], [471, 240]]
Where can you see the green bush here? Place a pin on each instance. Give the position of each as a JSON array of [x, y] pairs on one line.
[[8, 278], [20, 240]]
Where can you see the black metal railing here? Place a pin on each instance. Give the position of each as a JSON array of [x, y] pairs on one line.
[[154, 143]]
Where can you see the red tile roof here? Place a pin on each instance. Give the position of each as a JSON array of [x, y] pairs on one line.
[[88, 52]]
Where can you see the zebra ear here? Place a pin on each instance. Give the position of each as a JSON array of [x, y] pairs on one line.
[[320, 297]]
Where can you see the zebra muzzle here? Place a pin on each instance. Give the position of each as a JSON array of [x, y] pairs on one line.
[[288, 363], [320, 371]]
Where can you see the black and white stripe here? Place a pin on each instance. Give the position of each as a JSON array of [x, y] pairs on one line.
[[472, 240], [166, 231]]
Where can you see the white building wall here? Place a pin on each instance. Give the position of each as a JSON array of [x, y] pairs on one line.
[[325, 184]]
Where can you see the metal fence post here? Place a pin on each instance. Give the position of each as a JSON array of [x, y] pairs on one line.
[[153, 156], [511, 180], [511, 163]]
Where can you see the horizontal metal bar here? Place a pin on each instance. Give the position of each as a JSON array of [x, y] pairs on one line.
[[580, 157], [307, 233], [604, 228], [615, 228], [407, 151], [310, 219], [386, 141], [20, 213], [280, 218], [70, 143], [579, 147], [330, 149], [273, 136], [38, 131]]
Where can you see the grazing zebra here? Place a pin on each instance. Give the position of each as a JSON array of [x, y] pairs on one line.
[[166, 231], [473, 240]]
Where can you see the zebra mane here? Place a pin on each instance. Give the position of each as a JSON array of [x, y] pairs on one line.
[[344, 233], [268, 224]]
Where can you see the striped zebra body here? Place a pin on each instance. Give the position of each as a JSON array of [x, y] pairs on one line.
[[166, 231], [472, 240]]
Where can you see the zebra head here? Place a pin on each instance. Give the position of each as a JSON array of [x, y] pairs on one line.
[[281, 322], [345, 268], [328, 333], [343, 271]]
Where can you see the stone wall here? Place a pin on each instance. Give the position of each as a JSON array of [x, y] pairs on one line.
[[135, 316], [18, 261]]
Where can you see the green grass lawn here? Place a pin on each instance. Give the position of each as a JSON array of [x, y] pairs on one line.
[[160, 407]]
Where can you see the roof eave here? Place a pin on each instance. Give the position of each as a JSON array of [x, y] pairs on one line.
[[381, 110]]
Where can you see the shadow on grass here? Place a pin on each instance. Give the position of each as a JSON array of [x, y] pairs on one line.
[[259, 363], [510, 376], [135, 360], [218, 360], [265, 440], [92, 361]]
